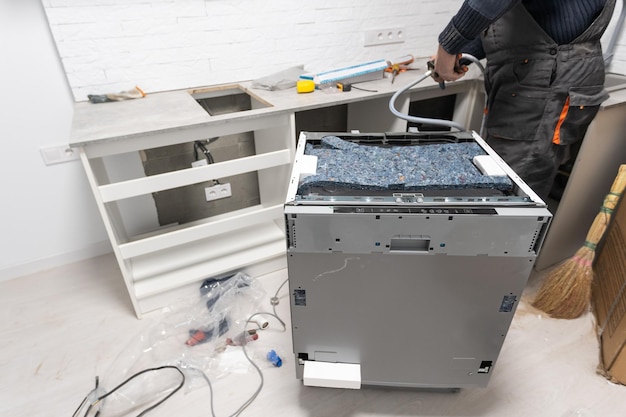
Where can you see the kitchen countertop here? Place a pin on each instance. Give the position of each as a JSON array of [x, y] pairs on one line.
[[175, 110]]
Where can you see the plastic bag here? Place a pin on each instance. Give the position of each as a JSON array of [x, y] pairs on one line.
[[281, 80], [203, 335]]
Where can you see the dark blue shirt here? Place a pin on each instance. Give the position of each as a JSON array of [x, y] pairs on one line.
[[562, 20]]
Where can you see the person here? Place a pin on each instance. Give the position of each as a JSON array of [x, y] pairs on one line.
[[544, 75]]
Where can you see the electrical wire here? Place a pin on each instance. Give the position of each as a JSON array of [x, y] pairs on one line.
[[364, 89], [206, 152], [84, 401], [274, 301], [256, 393], [246, 404], [249, 401], [147, 410]]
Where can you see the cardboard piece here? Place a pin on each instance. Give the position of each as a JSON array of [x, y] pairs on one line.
[[609, 297]]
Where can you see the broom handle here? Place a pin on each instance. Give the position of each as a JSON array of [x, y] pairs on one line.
[[598, 227]]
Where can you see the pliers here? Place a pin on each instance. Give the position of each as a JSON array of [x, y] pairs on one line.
[[431, 67], [457, 68]]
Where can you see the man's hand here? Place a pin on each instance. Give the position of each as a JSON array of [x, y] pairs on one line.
[[447, 67]]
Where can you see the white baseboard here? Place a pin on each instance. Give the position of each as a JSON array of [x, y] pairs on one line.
[[38, 265]]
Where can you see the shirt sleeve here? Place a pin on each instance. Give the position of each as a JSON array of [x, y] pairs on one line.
[[473, 17], [475, 49]]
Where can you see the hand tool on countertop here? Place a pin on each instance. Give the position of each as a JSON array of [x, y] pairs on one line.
[[399, 65]]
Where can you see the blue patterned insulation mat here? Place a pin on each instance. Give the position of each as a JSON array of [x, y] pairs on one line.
[[440, 166]]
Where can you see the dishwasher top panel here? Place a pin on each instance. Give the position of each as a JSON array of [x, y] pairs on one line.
[[425, 168]]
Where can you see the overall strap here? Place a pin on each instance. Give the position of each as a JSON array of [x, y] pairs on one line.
[[595, 31], [517, 34]]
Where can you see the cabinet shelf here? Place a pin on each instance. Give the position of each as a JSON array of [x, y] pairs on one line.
[[191, 263], [169, 180], [202, 229], [162, 263]]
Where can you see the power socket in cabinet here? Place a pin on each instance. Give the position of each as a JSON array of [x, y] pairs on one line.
[[218, 191]]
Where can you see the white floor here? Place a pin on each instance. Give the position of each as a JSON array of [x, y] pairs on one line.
[[62, 328]]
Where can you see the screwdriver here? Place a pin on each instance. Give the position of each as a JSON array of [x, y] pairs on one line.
[[399, 64]]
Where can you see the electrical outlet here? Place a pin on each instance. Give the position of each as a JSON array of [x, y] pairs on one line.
[[215, 192], [384, 36], [58, 154]]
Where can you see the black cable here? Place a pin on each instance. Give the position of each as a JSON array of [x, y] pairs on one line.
[[82, 404], [246, 404], [364, 89], [205, 151], [207, 154], [144, 412], [195, 151]]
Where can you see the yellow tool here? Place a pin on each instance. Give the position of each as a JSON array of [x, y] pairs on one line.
[[344, 87], [305, 86]]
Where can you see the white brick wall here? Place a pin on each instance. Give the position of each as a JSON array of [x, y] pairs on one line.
[[112, 45]]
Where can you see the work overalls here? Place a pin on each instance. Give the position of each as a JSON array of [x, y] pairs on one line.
[[541, 96]]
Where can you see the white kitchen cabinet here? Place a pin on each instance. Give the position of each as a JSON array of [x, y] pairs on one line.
[[161, 264]]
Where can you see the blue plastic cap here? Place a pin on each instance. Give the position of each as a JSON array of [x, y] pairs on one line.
[[273, 357]]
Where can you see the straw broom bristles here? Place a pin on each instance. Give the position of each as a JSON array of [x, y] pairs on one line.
[[566, 291]]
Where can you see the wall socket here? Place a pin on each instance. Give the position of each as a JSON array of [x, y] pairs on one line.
[[218, 191], [58, 154], [384, 36]]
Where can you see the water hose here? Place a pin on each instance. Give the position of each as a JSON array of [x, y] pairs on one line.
[[424, 120]]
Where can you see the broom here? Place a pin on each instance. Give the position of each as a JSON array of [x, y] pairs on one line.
[[566, 291]]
